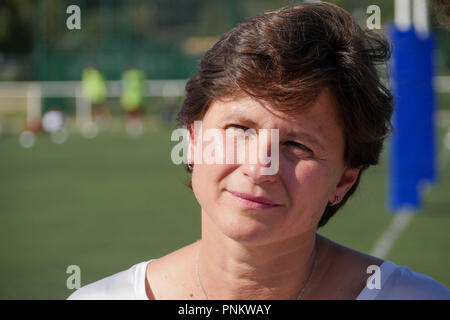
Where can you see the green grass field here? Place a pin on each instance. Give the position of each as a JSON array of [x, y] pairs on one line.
[[111, 202]]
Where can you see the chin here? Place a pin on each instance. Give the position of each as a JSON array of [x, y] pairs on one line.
[[244, 228]]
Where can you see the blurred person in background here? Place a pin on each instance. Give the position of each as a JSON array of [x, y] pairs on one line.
[[94, 89], [308, 71], [33, 126], [133, 81]]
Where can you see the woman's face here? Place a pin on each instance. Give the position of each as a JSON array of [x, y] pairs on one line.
[[311, 171]]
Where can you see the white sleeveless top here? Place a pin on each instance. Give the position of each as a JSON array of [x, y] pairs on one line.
[[397, 283]]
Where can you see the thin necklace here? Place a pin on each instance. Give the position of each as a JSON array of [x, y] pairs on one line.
[[299, 297]]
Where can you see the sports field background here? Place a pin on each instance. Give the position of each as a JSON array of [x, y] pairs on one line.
[[108, 203]]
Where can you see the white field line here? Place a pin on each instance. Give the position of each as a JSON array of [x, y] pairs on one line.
[[384, 244]]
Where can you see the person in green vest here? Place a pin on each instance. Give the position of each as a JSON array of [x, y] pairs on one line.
[[94, 88], [132, 98]]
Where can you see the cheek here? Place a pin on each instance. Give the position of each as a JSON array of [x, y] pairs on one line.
[[311, 175], [201, 184], [208, 180], [221, 158], [307, 176], [309, 185]]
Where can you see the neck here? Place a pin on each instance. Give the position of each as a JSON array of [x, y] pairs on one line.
[[235, 270]]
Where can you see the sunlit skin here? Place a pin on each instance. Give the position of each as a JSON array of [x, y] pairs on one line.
[[309, 174], [265, 253]]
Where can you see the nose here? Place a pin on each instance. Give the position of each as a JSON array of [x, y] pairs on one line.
[[254, 174], [256, 168]]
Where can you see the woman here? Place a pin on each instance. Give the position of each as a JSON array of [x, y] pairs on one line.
[[309, 72]]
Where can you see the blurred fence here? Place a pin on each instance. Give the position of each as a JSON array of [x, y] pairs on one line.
[[31, 94]]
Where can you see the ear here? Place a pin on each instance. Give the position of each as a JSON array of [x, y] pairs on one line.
[[348, 179]]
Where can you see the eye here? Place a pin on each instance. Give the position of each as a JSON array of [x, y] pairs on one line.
[[243, 130], [297, 146], [238, 127]]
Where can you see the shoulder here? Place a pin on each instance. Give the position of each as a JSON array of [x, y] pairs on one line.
[[402, 283], [171, 276], [344, 271], [125, 285], [355, 270]]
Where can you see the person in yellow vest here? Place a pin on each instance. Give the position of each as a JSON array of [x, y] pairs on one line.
[[94, 89], [132, 98]]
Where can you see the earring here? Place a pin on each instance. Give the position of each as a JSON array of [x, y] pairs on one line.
[[336, 200]]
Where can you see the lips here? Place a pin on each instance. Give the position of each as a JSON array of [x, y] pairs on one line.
[[253, 202]]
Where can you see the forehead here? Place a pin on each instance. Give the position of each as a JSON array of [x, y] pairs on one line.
[[320, 114], [318, 122]]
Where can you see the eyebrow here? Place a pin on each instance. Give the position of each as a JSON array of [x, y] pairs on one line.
[[292, 134], [240, 118]]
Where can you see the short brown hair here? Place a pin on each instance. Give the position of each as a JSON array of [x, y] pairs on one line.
[[286, 58], [442, 8]]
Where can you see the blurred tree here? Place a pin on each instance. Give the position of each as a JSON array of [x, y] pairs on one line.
[[150, 33], [16, 25]]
